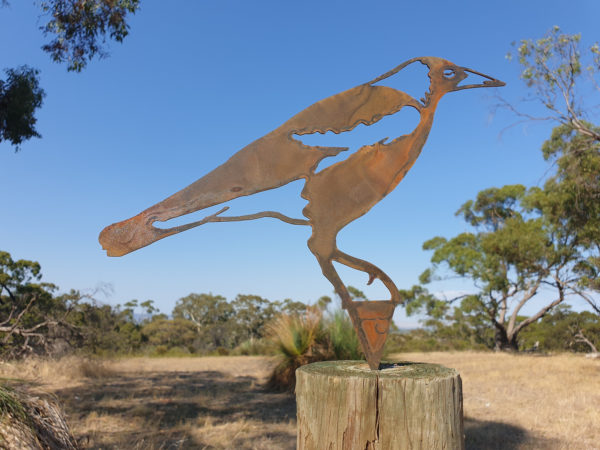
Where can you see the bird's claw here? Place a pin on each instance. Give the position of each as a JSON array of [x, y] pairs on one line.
[[372, 277]]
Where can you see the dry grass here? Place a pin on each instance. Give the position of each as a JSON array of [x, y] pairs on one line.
[[168, 403], [511, 401], [526, 401], [56, 373]]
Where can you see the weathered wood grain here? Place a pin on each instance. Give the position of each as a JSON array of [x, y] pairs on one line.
[[405, 405]]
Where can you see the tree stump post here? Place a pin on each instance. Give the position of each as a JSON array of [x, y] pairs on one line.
[[405, 405]]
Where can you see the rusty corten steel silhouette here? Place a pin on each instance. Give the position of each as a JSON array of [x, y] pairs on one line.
[[336, 195]]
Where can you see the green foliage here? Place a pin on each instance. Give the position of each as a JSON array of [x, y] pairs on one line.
[[15, 275], [299, 339], [438, 338], [492, 207], [566, 80], [310, 337], [298, 336], [211, 315], [32, 319], [105, 330], [564, 330], [343, 340], [570, 199], [254, 347], [524, 240], [80, 28], [251, 314], [550, 61], [166, 334], [289, 306], [512, 252], [449, 327], [203, 309], [557, 74], [10, 405], [324, 302], [356, 294], [20, 96], [79, 31]]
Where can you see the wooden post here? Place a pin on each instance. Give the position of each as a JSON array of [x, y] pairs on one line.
[[405, 405]]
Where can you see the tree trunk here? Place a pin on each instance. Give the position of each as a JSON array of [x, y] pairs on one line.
[[502, 342], [406, 405]]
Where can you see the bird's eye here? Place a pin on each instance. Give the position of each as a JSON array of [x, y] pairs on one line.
[[449, 73]]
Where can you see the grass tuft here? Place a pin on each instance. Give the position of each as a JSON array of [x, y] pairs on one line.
[[299, 339], [342, 336], [10, 404], [33, 419], [306, 338]]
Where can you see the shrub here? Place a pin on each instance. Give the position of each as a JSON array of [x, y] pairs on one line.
[[309, 337], [254, 346], [299, 339], [343, 340]]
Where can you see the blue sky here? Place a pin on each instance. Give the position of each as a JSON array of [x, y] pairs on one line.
[[195, 81]]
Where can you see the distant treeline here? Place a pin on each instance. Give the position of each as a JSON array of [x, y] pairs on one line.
[[561, 330], [36, 320]]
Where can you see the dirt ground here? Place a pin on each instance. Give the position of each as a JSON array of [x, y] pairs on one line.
[[510, 401], [521, 401]]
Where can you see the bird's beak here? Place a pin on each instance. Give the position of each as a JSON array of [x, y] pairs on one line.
[[489, 82]]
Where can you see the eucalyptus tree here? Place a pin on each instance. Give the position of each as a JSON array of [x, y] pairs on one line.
[[514, 257], [211, 315], [565, 79], [78, 31], [531, 245], [31, 317]]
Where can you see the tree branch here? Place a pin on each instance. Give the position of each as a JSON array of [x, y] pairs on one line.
[[541, 312], [587, 298], [526, 297], [580, 337], [10, 330], [10, 294]]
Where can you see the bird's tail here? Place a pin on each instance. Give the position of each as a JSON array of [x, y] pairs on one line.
[[267, 163]]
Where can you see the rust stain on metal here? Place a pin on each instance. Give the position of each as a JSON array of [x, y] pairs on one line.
[[336, 195]]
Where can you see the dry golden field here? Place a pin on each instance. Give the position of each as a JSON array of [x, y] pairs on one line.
[[510, 401]]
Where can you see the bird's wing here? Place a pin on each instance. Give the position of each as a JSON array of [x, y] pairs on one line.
[[267, 163]]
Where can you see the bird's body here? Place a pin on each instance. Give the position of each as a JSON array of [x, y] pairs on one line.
[[347, 190], [336, 195]]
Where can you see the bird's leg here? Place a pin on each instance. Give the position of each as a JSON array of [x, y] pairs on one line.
[[371, 320], [338, 285], [216, 217], [331, 274], [372, 270], [274, 214]]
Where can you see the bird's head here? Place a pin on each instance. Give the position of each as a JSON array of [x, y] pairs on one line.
[[445, 77]]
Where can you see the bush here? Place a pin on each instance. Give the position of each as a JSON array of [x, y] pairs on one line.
[[308, 337], [299, 339], [254, 346], [343, 340]]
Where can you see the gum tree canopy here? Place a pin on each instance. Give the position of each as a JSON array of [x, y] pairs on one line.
[[78, 31], [538, 243]]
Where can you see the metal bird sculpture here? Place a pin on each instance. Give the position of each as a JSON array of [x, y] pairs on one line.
[[336, 195]]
